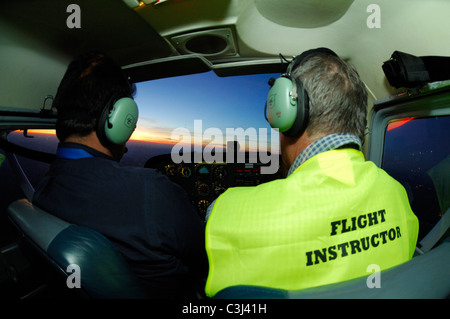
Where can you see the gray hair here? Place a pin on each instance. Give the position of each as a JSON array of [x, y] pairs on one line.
[[337, 96]]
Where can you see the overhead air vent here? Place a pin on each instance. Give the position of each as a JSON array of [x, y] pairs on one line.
[[209, 43]]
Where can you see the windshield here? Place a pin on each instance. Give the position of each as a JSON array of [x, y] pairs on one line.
[[201, 110], [221, 102]]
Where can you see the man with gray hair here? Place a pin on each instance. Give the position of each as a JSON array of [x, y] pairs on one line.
[[334, 214]]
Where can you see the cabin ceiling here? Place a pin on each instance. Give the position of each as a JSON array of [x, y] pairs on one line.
[[36, 43]]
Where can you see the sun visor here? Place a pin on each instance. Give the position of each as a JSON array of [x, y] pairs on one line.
[[168, 67]]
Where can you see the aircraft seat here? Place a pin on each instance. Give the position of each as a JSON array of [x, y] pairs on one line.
[[426, 276], [103, 271]]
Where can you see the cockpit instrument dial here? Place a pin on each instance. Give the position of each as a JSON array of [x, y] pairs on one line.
[[219, 172], [202, 171]]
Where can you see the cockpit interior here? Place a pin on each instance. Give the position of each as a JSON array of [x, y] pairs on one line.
[[201, 70]]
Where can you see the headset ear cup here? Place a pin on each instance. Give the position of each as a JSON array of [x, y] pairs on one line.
[[121, 121], [281, 108], [287, 106], [116, 124]]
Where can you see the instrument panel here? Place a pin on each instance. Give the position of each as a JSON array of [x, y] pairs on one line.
[[204, 182]]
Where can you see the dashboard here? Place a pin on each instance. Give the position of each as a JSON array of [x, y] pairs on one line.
[[204, 182]]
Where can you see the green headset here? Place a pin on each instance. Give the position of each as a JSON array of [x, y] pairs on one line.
[[287, 105], [117, 120]]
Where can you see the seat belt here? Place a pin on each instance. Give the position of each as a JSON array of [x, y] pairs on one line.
[[24, 183], [435, 234]]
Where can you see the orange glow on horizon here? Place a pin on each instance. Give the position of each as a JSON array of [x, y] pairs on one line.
[[140, 136], [136, 136], [154, 139], [37, 131], [145, 136]]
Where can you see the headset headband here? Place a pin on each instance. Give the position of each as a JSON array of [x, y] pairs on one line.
[[298, 59]]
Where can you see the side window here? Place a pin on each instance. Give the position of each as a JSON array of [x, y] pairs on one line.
[[417, 154], [38, 140]]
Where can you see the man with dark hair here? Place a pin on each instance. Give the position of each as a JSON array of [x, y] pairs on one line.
[[334, 215], [90, 82], [147, 217]]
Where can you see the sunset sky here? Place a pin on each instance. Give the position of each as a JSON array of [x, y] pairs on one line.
[[174, 103]]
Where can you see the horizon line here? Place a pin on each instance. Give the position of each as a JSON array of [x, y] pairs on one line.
[[52, 132]]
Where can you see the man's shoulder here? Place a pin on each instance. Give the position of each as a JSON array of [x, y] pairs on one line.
[[106, 169], [141, 173], [255, 193]]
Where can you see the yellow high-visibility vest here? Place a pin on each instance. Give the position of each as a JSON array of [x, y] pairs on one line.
[[327, 222]]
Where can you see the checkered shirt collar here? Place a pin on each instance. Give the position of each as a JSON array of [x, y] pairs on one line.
[[327, 143]]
